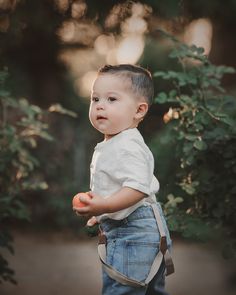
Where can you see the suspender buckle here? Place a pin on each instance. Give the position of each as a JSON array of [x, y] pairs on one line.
[[102, 239], [169, 263], [163, 245]]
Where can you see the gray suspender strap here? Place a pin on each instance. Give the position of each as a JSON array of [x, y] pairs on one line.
[[163, 253]]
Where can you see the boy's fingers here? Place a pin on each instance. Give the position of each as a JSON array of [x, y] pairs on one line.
[[92, 221], [91, 194], [82, 211], [85, 200]]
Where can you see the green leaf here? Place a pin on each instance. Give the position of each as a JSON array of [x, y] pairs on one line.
[[27, 185], [179, 200], [200, 145], [172, 201], [185, 98], [229, 121], [159, 74], [170, 197], [187, 148], [200, 50], [191, 137], [161, 98], [190, 159], [198, 127], [23, 103], [36, 109], [190, 189]]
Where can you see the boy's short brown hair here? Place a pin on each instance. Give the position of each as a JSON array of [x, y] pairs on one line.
[[140, 78]]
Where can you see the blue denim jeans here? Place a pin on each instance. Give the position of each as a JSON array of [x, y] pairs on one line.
[[132, 245]]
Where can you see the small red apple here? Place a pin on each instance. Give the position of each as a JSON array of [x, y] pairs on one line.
[[76, 203]]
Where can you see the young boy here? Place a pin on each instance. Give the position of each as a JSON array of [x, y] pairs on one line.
[[122, 182]]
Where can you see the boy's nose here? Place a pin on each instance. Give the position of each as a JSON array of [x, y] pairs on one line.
[[100, 105]]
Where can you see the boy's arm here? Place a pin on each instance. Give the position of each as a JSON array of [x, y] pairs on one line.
[[122, 199]]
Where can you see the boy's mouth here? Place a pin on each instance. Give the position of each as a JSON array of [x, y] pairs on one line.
[[101, 118]]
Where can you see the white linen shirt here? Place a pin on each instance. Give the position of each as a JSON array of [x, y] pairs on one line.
[[123, 161]]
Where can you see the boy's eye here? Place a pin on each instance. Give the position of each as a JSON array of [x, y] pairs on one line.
[[110, 98], [94, 98]]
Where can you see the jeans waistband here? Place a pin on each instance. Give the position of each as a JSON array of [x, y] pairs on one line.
[[142, 212]]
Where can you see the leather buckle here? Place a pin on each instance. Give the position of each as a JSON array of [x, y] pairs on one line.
[[163, 245], [102, 239]]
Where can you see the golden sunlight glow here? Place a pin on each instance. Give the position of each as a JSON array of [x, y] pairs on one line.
[[134, 25], [199, 33], [113, 18], [67, 31], [73, 31], [61, 5], [137, 9], [79, 61], [130, 49], [141, 10], [84, 85], [78, 9], [131, 46], [103, 44], [126, 47], [111, 57]]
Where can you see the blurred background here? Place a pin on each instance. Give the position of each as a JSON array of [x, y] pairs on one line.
[[50, 51]]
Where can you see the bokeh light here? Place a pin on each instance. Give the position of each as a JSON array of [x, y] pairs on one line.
[[78, 9], [104, 43], [61, 5], [130, 49], [199, 32], [84, 85]]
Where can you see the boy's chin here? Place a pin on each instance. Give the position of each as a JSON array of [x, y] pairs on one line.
[[108, 136], [111, 133]]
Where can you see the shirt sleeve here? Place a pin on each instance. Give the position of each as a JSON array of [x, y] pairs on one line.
[[135, 170]]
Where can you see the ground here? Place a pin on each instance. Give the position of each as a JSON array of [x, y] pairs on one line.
[[65, 264]]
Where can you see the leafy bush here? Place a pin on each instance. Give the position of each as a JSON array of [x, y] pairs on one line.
[[202, 133], [22, 124]]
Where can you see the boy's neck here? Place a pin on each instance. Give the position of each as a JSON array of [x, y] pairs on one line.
[[109, 136]]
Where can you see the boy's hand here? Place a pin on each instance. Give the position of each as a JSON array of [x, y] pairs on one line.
[[92, 221], [94, 206]]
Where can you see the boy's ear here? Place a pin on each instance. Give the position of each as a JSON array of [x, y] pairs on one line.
[[141, 111]]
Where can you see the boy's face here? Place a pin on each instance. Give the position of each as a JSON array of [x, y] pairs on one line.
[[113, 106]]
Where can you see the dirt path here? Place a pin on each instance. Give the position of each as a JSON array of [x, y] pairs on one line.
[[61, 264]]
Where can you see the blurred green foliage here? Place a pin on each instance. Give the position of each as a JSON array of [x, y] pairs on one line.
[[198, 147], [22, 124]]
